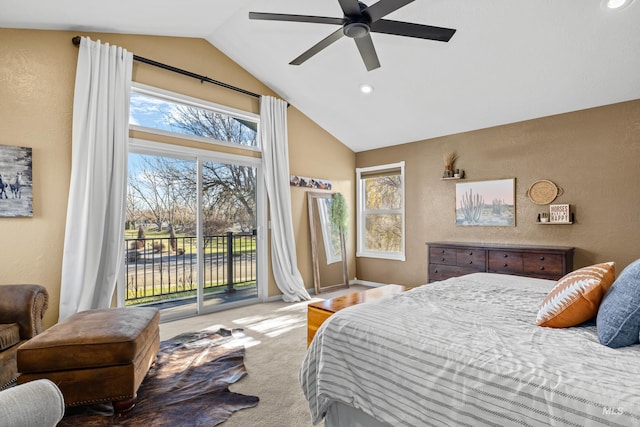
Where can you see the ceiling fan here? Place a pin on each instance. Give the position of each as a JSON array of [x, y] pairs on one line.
[[358, 22]]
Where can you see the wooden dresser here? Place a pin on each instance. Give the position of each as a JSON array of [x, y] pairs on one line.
[[451, 259]]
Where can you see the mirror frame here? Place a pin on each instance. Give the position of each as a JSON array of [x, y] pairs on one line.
[[312, 197]]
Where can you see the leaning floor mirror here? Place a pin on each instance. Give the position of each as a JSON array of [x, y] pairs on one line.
[[327, 244]]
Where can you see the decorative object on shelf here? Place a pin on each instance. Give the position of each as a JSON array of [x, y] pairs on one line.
[[453, 178], [458, 174], [557, 216], [543, 192], [488, 203], [449, 159], [559, 213]]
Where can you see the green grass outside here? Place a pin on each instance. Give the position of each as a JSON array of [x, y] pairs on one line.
[[182, 291]]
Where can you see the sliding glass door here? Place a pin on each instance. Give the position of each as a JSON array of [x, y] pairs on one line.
[[192, 232], [229, 229], [160, 231]]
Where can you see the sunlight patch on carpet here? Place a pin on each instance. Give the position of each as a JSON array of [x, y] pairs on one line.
[[272, 325]]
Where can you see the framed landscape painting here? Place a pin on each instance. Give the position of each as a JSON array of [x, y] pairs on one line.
[[15, 181], [486, 203]]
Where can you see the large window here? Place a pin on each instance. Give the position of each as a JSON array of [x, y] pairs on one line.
[[380, 194], [194, 217], [164, 112]]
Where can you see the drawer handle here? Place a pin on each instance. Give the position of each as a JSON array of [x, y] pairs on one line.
[[443, 251], [541, 268], [435, 271], [541, 258], [442, 259], [506, 265], [470, 253], [470, 262], [505, 255]]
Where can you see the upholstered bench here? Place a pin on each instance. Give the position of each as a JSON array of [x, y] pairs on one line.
[[95, 355]]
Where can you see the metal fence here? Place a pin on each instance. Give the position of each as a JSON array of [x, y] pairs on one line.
[[166, 268]]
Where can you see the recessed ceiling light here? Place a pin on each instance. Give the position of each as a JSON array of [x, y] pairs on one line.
[[617, 4], [366, 88]]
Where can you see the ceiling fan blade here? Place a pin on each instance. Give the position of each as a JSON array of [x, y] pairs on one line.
[[368, 52], [295, 18], [336, 35], [408, 29], [350, 7], [384, 7]]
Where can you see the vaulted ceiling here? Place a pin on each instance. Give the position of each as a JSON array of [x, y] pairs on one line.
[[508, 60]]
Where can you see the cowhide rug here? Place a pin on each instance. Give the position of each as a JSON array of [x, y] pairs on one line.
[[188, 386]]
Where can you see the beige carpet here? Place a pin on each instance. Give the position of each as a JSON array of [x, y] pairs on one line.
[[275, 336]]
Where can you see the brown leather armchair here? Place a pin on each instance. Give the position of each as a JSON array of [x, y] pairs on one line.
[[21, 310]]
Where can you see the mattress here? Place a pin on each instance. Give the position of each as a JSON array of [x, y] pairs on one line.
[[467, 352]]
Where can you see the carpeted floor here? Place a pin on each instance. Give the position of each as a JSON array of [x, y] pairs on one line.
[[275, 338]]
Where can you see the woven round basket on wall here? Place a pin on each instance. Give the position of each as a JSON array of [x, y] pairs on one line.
[[543, 192]]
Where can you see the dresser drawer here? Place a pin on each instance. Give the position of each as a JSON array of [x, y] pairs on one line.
[[505, 262], [451, 259], [472, 258], [543, 265], [442, 272], [442, 256]]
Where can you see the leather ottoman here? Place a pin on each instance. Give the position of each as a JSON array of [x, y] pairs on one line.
[[95, 355]]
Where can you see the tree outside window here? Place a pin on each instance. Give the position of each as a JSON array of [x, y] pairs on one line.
[[381, 211]]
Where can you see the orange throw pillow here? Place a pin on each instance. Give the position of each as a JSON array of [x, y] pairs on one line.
[[576, 297]]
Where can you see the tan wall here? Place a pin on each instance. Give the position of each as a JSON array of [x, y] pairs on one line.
[[37, 72], [593, 155], [313, 157]]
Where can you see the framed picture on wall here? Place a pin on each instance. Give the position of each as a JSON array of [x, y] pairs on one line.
[[486, 203], [15, 181], [303, 181]]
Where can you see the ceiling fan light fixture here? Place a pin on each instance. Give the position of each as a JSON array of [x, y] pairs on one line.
[[356, 30]]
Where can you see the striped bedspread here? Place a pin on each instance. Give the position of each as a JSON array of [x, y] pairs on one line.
[[466, 352]]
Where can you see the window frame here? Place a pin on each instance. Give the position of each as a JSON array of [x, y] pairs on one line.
[[151, 142], [197, 103], [362, 212]]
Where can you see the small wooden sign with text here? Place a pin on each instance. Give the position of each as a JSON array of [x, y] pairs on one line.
[[559, 213]]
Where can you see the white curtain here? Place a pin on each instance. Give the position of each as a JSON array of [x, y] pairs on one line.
[[94, 243], [273, 138]]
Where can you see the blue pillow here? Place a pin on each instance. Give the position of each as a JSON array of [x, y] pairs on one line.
[[618, 319]]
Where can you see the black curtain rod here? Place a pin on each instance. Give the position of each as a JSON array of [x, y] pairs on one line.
[[76, 41]]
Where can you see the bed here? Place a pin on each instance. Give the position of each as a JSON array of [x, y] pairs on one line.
[[466, 352]]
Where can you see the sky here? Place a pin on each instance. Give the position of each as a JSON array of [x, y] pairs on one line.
[[152, 112], [149, 112]]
